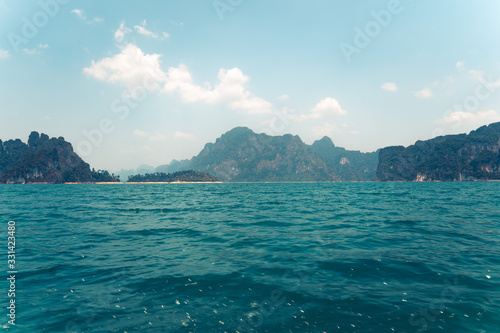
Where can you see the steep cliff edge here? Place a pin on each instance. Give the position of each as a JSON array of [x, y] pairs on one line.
[[45, 160], [446, 158]]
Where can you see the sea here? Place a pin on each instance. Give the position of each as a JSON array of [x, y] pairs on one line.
[[253, 257]]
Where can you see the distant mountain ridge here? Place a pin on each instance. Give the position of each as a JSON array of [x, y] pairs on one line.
[[473, 156], [240, 155], [45, 160]]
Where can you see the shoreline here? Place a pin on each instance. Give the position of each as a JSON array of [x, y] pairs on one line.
[[177, 182], [282, 182]]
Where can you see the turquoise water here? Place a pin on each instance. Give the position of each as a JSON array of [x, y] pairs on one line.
[[326, 257]]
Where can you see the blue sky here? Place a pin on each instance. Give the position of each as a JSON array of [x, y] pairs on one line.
[[130, 83]]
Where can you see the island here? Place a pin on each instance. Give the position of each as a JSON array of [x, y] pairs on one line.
[[188, 176], [46, 160]]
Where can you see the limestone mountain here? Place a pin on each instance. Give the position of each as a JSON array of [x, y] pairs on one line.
[[242, 155], [348, 165], [45, 160], [446, 158]]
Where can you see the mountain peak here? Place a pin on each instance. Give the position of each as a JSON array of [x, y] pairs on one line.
[[240, 130], [324, 141]]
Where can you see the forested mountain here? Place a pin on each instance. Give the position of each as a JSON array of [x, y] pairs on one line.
[[446, 158], [348, 165], [241, 155], [45, 160]]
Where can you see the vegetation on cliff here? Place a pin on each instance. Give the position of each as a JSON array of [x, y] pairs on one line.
[[446, 158], [45, 160], [241, 155]]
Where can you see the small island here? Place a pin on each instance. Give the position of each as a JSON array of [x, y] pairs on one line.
[[188, 176]]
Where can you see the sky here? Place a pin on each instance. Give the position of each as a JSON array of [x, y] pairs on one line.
[[131, 83]]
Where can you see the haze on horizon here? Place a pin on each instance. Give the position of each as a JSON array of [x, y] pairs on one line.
[[130, 85]]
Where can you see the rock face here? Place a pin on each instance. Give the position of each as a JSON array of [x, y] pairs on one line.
[[348, 165], [242, 155], [44, 160], [446, 158]]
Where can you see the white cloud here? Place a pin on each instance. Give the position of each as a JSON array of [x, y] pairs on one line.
[[230, 89], [144, 31], [326, 129], [327, 106], [131, 68], [470, 118], [121, 32], [183, 135], [460, 64], [283, 97], [4, 54], [81, 15], [424, 93], [36, 49], [141, 29], [389, 86]]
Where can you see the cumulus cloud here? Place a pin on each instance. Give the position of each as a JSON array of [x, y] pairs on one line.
[[121, 32], [283, 97], [4, 54], [424, 93], [389, 86], [230, 89], [81, 15], [460, 64], [325, 107], [470, 118], [131, 68]]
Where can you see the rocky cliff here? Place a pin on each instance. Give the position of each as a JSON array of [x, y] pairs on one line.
[[45, 160], [446, 158], [242, 155]]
